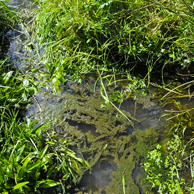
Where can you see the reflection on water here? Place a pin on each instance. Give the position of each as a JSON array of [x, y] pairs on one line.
[[137, 176], [148, 117], [19, 3], [99, 178], [113, 147]]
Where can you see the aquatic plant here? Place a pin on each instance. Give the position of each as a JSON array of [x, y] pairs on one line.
[[170, 167], [163, 170], [118, 96]]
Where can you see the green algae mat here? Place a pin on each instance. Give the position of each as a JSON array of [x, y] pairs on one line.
[[114, 147]]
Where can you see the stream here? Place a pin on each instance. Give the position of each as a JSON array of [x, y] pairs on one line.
[[114, 147]]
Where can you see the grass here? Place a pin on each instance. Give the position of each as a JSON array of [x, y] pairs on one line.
[[7, 19], [84, 36], [29, 161], [30, 157]]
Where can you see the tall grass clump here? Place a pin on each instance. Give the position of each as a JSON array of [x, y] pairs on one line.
[[83, 36], [30, 162]]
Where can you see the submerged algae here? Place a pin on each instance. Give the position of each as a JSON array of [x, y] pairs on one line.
[[131, 152], [112, 145]]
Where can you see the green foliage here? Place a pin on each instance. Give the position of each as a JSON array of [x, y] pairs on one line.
[[30, 158], [178, 157], [82, 36], [173, 168], [30, 162], [180, 121], [15, 88], [135, 84], [163, 168], [117, 96], [180, 124], [182, 30], [6, 14]]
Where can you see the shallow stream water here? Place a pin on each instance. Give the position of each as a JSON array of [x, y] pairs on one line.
[[114, 147]]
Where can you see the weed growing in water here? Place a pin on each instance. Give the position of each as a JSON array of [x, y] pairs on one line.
[[170, 169], [163, 170]]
